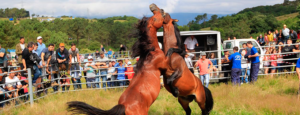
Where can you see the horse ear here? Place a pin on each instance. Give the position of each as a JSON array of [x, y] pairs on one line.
[[175, 20]]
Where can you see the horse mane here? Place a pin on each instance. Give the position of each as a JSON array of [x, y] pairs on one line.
[[179, 40], [142, 46]]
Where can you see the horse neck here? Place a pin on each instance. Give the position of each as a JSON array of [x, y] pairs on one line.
[[170, 40], [153, 37]]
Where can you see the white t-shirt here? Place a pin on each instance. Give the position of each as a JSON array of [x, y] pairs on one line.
[[12, 82], [22, 46], [110, 71], [188, 60], [190, 44], [286, 32]]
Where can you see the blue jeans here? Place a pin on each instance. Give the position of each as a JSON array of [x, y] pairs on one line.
[[206, 78], [243, 74], [279, 68], [104, 78], [76, 86], [122, 83], [89, 85], [65, 87], [235, 76], [286, 38], [37, 73], [97, 79], [254, 72]]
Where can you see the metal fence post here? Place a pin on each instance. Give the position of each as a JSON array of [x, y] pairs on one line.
[[30, 86]]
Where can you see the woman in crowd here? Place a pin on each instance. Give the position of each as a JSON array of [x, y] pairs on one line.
[[65, 83], [266, 39], [270, 36], [129, 71], [120, 70], [215, 65], [273, 57], [24, 89], [266, 61], [280, 57]]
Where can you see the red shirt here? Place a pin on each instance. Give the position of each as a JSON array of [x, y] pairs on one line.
[[129, 72], [203, 66]]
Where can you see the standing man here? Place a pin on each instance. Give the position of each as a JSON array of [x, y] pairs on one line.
[[261, 40], [27, 63], [3, 58], [203, 68], [254, 56], [189, 44], [62, 56], [46, 56], [41, 45], [235, 58], [75, 62], [19, 49], [294, 36], [286, 33], [103, 65]]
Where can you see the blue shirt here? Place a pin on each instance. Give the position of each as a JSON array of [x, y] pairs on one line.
[[236, 60], [254, 59], [121, 72], [298, 63], [4, 58], [40, 48]]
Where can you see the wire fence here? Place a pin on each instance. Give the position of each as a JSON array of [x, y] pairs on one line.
[[80, 79]]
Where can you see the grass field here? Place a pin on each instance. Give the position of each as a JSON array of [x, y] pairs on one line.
[[267, 96]]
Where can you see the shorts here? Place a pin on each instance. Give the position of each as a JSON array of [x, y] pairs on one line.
[[266, 65], [273, 68]]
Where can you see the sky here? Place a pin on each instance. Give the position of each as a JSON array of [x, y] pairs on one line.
[[137, 8]]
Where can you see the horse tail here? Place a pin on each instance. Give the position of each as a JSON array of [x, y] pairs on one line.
[[209, 102], [82, 108]]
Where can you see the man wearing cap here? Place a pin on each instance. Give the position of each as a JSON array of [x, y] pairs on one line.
[[188, 60], [235, 58], [286, 33], [261, 40], [90, 73], [203, 63], [62, 56], [75, 62], [41, 45], [190, 43], [103, 65], [19, 49]]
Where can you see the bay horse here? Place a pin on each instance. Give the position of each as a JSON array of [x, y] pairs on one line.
[[145, 85], [178, 79]]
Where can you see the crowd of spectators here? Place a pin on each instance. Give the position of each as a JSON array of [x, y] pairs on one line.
[[60, 68]]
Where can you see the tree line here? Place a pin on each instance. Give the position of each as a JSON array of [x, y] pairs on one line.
[[86, 33], [13, 13]]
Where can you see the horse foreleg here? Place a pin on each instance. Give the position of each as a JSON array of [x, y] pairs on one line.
[[185, 105]]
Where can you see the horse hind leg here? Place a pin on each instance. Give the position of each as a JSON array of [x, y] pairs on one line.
[[185, 105], [170, 81]]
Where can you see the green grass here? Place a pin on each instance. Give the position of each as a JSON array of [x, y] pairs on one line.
[[285, 17], [267, 96]]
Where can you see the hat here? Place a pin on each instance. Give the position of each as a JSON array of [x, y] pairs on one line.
[[129, 63], [61, 44], [90, 57], [101, 52], [40, 37], [203, 54]]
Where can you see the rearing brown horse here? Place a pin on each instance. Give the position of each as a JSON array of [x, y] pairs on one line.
[[145, 85], [178, 79]]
